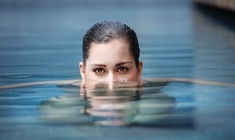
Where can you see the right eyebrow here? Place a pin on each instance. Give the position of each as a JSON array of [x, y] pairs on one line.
[[123, 63]]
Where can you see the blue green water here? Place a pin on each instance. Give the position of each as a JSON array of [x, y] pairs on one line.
[[41, 41]]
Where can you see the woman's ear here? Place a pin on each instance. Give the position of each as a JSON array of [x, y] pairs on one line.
[[82, 71], [139, 77], [140, 69]]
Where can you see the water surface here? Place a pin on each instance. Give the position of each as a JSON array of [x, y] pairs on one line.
[[42, 42]]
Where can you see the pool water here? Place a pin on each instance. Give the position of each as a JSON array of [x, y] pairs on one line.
[[174, 110], [41, 41]]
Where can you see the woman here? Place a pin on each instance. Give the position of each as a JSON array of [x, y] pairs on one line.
[[110, 55]]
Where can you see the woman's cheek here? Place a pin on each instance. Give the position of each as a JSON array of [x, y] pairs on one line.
[[132, 76], [90, 75]]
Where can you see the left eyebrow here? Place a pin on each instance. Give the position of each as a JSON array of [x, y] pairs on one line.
[[122, 63]]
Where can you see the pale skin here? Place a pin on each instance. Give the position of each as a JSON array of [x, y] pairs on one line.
[[109, 63]]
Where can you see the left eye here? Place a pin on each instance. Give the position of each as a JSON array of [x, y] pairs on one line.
[[122, 69]]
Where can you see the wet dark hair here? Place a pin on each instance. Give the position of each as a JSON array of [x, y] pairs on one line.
[[106, 31]]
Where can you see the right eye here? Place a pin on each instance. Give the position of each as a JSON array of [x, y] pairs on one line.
[[99, 71]]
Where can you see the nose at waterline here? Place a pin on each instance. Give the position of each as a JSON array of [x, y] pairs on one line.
[[111, 79]]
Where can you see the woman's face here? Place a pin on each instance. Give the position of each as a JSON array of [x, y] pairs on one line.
[[109, 63]]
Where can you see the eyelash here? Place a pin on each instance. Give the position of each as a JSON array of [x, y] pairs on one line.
[[122, 67], [97, 70], [100, 71]]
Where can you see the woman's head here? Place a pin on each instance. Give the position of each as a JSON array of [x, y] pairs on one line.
[[110, 54], [106, 31]]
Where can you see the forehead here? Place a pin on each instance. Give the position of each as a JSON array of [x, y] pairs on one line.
[[114, 50]]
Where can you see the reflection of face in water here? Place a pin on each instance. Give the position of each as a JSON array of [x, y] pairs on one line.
[[117, 107], [112, 107]]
